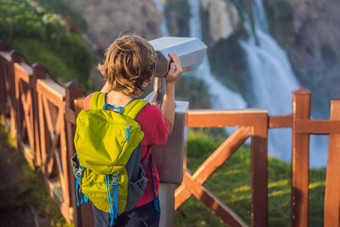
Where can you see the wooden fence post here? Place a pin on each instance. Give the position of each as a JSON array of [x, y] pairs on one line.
[[39, 72], [73, 91], [3, 96], [259, 172], [332, 191], [300, 160], [15, 58]]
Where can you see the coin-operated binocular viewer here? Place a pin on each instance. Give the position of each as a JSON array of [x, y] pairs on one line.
[[171, 158]]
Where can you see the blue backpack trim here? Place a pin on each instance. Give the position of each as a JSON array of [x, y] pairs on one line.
[[113, 107], [112, 205], [81, 198], [115, 194]]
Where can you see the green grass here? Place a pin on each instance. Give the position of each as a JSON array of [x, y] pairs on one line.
[[231, 183], [22, 190]]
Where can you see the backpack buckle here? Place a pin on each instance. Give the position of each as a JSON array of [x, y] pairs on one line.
[[80, 171], [114, 180]]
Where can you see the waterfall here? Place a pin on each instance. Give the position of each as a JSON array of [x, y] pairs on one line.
[[271, 77], [223, 97], [272, 81]]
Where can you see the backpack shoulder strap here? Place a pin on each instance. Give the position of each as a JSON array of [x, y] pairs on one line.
[[97, 100], [134, 107]]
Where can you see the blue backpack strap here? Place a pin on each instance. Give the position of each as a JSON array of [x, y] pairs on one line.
[[113, 107], [113, 205], [107, 182], [79, 196], [155, 199], [115, 194]]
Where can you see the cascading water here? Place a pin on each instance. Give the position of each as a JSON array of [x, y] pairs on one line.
[[271, 78], [224, 98], [271, 75], [272, 81]]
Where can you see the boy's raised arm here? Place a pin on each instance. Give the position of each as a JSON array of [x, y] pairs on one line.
[[168, 107]]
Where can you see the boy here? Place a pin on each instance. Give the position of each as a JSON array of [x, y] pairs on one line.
[[128, 68]]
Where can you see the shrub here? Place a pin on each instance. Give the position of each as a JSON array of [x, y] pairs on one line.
[[43, 36]]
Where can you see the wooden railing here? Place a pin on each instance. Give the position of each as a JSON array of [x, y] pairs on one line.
[[255, 124], [41, 115]]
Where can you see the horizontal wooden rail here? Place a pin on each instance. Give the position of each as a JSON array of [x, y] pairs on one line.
[[281, 121], [317, 126], [222, 118]]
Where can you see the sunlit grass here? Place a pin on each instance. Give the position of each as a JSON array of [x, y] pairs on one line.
[[231, 183]]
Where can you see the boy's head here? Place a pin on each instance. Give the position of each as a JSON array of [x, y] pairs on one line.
[[130, 61]]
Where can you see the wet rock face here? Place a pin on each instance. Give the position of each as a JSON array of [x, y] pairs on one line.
[[317, 30], [106, 19], [315, 51], [223, 18]]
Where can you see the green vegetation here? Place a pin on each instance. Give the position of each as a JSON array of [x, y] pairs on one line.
[[231, 183], [22, 192], [43, 36], [178, 14], [74, 20], [228, 63], [192, 89]]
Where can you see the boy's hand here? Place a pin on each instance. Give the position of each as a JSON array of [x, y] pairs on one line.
[[175, 68]]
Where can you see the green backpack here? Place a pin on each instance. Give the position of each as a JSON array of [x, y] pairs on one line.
[[108, 146]]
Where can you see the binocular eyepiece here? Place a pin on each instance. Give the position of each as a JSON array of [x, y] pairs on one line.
[[190, 51]]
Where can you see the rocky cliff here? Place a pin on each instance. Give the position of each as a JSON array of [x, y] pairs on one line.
[[107, 18], [314, 47], [223, 18]]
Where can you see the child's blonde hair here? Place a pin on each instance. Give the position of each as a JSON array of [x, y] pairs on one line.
[[130, 61]]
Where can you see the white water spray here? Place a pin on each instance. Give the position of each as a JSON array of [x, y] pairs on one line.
[[272, 82]]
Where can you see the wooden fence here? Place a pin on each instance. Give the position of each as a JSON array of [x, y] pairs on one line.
[[40, 114]]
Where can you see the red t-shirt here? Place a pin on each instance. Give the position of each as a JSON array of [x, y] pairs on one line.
[[156, 129]]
